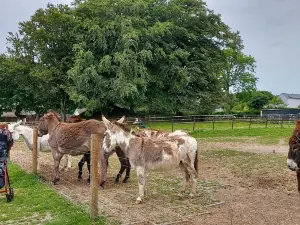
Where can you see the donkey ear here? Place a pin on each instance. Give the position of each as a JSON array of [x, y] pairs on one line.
[[17, 124], [106, 122], [121, 120]]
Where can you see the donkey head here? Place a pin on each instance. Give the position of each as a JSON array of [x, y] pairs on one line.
[[116, 134], [12, 129], [50, 117], [293, 160]]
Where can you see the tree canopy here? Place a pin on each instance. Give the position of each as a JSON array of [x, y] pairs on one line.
[[158, 55]]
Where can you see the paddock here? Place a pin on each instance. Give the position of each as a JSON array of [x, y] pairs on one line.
[[229, 190]]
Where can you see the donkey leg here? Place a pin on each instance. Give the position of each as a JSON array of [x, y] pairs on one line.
[[88, 162], [69, 161], [193, 174], [80, 166], [298, 180], [119, 175], [123, 163], [103, 167], [128, 168], [57, 157], [140, 170], [186, 176]]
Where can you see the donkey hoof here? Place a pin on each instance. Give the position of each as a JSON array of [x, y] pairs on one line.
[[117, 181], [125, 181], [138, 200], [101, 186], [88, 180], [55, 181]]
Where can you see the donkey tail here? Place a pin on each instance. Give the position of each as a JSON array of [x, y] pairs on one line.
[[196, 164]]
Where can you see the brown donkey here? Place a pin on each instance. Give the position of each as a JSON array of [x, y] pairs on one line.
[[125, 165], [145, 153], [71, 138]]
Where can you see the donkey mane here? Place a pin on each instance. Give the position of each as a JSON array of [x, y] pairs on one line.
[[295, 138], [122, 126], [56, 114]]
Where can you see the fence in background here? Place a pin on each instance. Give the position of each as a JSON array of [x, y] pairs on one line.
[[194, 122]]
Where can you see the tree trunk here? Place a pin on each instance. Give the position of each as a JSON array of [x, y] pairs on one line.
[[63, 109]]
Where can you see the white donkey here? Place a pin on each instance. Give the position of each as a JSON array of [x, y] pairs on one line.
[[27, 133], [148, 152]]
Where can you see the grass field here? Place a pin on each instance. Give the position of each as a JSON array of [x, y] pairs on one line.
[[37, 203], [218, 125], [271, 135]]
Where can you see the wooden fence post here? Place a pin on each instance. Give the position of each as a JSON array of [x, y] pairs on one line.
[[281, 124], [95, 151], [172, 125], [213, 123], [232, 124], [250, 123], [194, 124], [35, 150], [266, 122]]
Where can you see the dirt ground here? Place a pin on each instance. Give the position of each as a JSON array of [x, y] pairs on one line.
[[222, 198]]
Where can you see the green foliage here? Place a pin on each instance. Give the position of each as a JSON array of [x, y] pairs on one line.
[[162, 56], [237, 76], [157, 54], [260, 99], [276, 102], [19, 89], [46, 42]]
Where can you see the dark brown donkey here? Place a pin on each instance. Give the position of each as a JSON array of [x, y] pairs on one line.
[[87, 158], [293, 160]]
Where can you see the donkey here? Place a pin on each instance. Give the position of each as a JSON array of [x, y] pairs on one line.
[[145, 153], [87, 158], [72, 139], [293, 159], [27, 133], [148, 133]]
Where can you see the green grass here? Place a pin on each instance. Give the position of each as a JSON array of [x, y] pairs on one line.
[[223, 131], [37, 203], [218, 125]]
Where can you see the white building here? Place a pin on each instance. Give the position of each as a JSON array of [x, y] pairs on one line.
[[291, 100]]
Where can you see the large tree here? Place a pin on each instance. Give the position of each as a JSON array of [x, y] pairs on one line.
[[19, 90], [47, 41], [164, 55], [237, 75]]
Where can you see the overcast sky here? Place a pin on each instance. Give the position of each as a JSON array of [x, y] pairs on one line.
[[269, 28]]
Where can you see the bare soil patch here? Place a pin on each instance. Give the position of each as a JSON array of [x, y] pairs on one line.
[[244, 144]]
